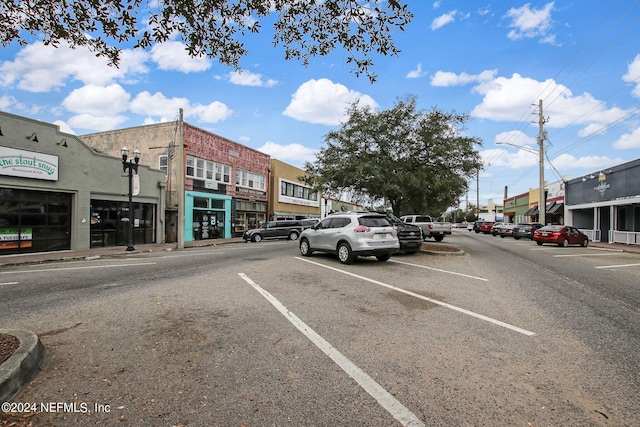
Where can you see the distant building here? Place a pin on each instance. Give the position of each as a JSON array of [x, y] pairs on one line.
[[225, 184], [605, 204], [289, 197]]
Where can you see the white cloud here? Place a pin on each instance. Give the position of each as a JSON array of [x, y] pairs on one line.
[[509, 99], [64, 127], [504, 157], [445, 78], [173, 56], [96, 123], [568, 162], [247, 78], [324, 102], [158, 105], [211, 113], [414, 74], [628, 140], [531, 23], [633, 76], [443, 20], [97, 100], [294, 153], [39, 68]]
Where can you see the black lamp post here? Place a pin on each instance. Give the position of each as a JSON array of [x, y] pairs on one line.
[[130, 166]]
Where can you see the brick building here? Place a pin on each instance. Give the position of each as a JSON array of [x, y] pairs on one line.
[[223, 187]]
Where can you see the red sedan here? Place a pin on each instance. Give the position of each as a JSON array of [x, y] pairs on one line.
[[561, 235], [485, 227]]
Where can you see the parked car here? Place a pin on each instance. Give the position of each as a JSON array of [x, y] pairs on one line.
[[526, 230], [495, 228], [351, 234], [309, 222], [485, 227], [561, 235], [476, 226], [409, 235], [285, 229], [430, 228], [471, 226], [506, 230]]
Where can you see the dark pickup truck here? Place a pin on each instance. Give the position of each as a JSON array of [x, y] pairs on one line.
[[410, 236]]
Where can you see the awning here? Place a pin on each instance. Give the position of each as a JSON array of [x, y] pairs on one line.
[[532, 212], [556, 209]]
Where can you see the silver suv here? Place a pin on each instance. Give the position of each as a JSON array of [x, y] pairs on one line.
[[351, 234]]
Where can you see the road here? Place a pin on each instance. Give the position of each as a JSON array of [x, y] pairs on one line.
[[254, 335]]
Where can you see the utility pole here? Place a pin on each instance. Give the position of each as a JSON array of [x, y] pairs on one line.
[[542, 135], [180, 159]]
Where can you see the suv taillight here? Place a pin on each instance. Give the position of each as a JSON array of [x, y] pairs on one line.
[[361, 229]]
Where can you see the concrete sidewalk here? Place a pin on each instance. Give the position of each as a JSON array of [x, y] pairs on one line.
[[39, 257]]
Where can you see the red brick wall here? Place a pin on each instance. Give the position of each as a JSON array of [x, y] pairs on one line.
[[208, 146]]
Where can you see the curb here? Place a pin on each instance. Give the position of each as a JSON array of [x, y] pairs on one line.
[[23, 366], [459, 252]]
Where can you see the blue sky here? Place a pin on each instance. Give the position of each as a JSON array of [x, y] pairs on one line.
[[492, 61]]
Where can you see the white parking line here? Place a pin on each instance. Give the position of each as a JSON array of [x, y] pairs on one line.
[[382, 396], [8, 283], [584, 255], [76, 268], [439, 270], [422, 297], [618, 266]]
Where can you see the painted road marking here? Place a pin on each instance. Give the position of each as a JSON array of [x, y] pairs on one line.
[[8, 283], [422, 297], [584, 255], [439, 270], [619, 266], [382, 396], [76, 268]]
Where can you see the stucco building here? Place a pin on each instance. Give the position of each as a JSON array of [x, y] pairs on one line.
[[289, 197], [57, 193]]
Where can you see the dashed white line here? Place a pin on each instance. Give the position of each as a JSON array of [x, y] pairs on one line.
[[382, 396], [618, 266], [422, 297], [584, 255], [440, 270], [76, 268], [8, 283]]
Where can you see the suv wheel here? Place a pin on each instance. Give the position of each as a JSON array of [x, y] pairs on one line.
[[383, 258], [293, 235], [344, 253], [257, 238], [305, 248]]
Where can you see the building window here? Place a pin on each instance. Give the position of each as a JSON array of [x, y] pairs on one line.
[[163, 163], [290, 189], [208, 170], [250, 179], [190, 168]]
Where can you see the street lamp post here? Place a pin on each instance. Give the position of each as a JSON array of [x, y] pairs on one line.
[[542, 207], [130, 166]]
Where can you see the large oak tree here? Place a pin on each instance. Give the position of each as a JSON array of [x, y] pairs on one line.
[[214, 28], [413, 161]]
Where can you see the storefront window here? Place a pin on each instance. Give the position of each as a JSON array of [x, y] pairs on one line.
[[110, 223], [34, 221]]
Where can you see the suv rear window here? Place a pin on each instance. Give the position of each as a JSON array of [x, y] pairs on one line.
[[374, 221]]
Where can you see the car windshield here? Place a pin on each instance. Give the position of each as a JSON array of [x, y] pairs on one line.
[[552, 228], [374, 221]]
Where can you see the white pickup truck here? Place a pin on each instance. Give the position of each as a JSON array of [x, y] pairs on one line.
[[430, 228]]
